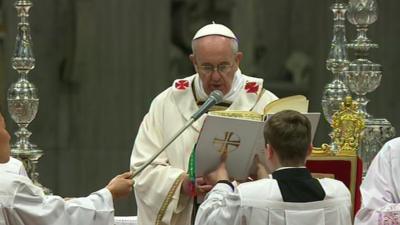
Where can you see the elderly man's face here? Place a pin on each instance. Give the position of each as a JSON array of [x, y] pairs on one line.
[[4, 142], [215, 63]]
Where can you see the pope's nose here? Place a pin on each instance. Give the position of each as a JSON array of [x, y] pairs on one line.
[[215, 76]]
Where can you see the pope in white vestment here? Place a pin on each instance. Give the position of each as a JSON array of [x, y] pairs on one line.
[[380, 189], [161, 189], [157, 188]]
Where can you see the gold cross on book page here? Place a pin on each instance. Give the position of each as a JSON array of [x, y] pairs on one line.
[[229, 143]]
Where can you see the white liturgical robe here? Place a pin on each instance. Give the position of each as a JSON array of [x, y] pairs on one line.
[[380, 189], [22, 203], [261, 202], [13, 166], [157, 188]]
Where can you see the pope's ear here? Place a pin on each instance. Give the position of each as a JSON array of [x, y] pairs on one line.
[[192, 59], [238, 57]]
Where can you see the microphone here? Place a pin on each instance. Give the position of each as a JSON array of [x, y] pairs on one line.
[[214, 98]]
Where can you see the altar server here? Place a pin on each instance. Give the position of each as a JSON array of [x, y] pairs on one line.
[[22, 203], [290, 195], [14, 166]]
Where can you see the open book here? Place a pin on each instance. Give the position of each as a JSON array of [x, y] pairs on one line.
[[240, 134], [296, 102]]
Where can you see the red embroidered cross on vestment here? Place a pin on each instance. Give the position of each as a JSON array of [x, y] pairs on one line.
[[251, 87], [181, 84]]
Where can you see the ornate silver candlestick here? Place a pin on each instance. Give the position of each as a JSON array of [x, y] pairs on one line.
[[22, 96], [335, 92], [362, 13], [364, 76]]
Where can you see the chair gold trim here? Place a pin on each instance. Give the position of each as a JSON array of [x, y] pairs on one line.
[[348, 125]]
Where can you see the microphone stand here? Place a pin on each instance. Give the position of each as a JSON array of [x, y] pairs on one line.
[[214, 98], [190, 122]]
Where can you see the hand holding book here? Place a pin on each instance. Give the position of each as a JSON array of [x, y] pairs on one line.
[[240, 136]]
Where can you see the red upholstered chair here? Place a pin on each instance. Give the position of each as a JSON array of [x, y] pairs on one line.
[[347, 169], [347, 126]]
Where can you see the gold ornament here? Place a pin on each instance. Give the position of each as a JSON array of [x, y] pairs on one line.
[[347, 125]]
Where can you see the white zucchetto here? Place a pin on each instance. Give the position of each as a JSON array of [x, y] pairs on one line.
[[214, 29]]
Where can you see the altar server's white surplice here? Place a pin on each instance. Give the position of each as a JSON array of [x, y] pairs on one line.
[[261, 202], [13, 166], [380, 189], [157, 188], [22, 203]]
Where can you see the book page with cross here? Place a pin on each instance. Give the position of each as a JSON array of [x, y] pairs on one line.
[[229, 143], [237, 137]]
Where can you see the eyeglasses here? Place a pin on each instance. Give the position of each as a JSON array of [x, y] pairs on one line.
[[209, 69]]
